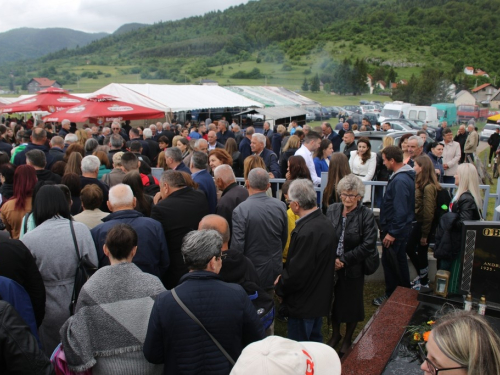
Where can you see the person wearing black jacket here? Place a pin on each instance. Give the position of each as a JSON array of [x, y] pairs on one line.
[[493, 141], [350, 144], [17, 263], [20, 351], [461, 137], [355, 227], [307, 281]]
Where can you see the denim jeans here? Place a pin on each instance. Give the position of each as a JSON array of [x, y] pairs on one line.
[[305, 329], [395, 263]]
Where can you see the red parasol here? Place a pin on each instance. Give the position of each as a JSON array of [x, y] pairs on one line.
[[103, 108], [49, 100]]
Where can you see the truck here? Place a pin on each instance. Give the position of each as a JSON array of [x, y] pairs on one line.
[[446, 112], [426, 114], [395, 110], [467, 111]]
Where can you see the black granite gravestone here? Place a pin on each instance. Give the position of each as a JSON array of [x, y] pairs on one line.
[[480, 271]]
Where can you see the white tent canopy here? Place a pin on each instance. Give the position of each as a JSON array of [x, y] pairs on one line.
[[176, 98]]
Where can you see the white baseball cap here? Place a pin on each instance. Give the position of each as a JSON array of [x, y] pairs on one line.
[[276, 355]]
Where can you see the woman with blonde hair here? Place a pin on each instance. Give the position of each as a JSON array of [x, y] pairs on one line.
[[461, 343], [291, 146], [82, 136], [466, 205], [251, 162]]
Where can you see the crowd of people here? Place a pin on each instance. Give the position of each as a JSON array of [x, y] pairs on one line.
[[192, 268]]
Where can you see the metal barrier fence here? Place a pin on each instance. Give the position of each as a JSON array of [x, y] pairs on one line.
[[487, 194]]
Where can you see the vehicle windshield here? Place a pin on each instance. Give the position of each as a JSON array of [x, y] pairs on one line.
[[441, 113], [390, 113], [490, 127]]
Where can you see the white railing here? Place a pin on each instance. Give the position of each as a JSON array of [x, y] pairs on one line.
[[487, 195]]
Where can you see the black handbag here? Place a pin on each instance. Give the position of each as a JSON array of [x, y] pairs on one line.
[[372, 262], [84, 271]]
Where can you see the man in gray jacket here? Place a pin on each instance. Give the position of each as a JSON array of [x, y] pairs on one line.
[[260, 228]]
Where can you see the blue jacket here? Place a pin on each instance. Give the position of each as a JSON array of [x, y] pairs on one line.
[[398, 207], [271, 162], [152, 252], [20, 157], [225, 310], [245, 148], [183, 168], [276, 143], [207, 185], [320, 165], [438, 164]]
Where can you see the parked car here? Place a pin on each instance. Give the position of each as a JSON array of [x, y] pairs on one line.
[[310, 116], [353, 108], [364, 102], [372, 117], [431, 131], [488, 130], [376, 138], [368, 108]]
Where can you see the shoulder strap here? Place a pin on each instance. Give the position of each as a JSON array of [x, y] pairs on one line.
[[192, 316], [74, 239], [26, 217]]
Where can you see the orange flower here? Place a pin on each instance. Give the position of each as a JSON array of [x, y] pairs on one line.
[[426, 335], [416, 336]]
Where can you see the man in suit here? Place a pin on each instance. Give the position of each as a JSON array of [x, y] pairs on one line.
[[267, 130], [134, 135], [328, 133], [258, 146], [173, 159], [244, 147], [154, 149], [212, 141], [203, 179], [179, 211]]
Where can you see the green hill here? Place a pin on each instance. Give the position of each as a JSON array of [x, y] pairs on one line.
[[129, 27], [28, 43], [287, 42]]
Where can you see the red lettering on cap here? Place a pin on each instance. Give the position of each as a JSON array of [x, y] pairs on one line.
[[310, 363]]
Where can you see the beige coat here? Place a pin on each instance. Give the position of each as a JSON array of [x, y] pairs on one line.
[[451, 156], [471, 143]]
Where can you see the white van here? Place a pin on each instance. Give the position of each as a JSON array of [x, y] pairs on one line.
[[424, 113], [395, 110]]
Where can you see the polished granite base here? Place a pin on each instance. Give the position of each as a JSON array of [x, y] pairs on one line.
[[374, 346]]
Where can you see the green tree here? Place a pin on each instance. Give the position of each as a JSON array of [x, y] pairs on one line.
[[305, 85], [391, 76], [315, 83]]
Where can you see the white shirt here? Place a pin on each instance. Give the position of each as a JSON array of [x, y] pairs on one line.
[[307, 155]]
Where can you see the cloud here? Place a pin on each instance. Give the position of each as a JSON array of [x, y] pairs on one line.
[[101, 16]]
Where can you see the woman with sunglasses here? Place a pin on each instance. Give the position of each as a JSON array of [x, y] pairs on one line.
[[461, 343]]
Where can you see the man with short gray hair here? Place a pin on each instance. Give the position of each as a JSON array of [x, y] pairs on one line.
[[201, 145], [306, 284], [415, 148], [154, 149], [245, 143], [223, 133], [38, 139], [173, 159], [90, 169], [224, 308], [65, 126], [260, 229], [258, 146], [152, 255], [56, 148]]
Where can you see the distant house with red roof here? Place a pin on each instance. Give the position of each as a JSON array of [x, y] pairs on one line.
[[369, 82], [469, 70], [381, 85], [37, 84], [484, 92]]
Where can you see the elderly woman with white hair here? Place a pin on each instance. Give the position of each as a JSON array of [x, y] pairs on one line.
[[355, 226]]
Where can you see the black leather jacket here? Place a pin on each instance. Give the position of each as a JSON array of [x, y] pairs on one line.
[[359, 238], [466, 209], [20, 351]]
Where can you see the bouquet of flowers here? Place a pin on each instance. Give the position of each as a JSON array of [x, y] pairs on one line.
[[420, 333]]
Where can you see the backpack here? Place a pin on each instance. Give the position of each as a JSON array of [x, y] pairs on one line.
[[443, 200], [152, 188]]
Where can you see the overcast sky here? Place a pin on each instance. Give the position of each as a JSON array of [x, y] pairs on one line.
[[101, 15]]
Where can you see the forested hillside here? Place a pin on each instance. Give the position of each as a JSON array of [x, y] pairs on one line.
[[28, 43], [317, 36]]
